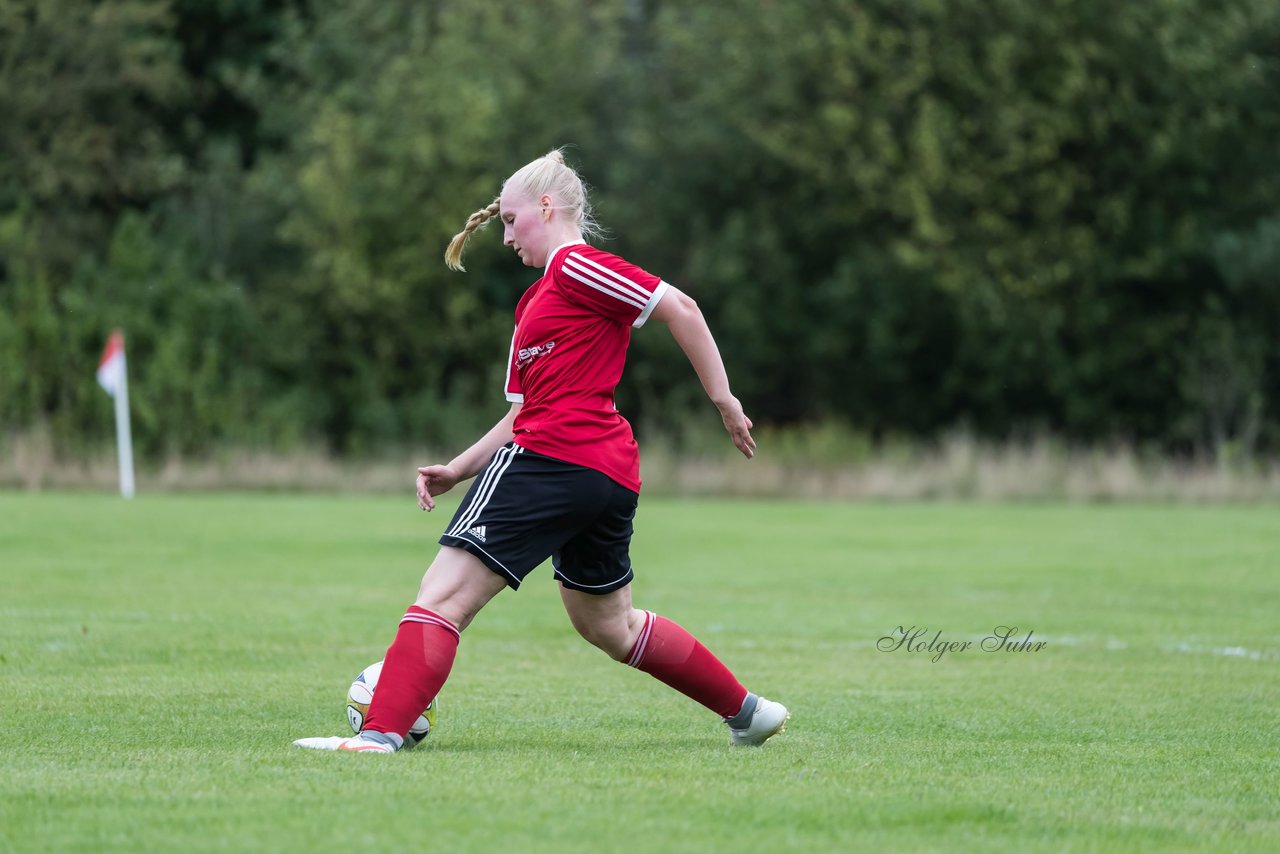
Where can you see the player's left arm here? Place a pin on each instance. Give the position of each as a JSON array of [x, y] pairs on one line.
[[680, 313]]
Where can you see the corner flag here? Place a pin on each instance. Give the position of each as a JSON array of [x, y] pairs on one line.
[[113, 377]]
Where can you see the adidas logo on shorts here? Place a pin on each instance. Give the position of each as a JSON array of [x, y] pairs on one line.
[[477, 532]]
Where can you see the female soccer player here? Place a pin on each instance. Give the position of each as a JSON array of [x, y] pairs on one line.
[[559, 475]]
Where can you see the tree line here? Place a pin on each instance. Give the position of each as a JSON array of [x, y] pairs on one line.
[[899, 217]]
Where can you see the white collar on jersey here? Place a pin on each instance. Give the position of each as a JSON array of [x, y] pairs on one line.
[[551, 256]]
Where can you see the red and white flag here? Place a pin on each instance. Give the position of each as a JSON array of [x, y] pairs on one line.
[[111, 375]]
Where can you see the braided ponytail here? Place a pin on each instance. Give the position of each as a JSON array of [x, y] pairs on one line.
[[453, 255]]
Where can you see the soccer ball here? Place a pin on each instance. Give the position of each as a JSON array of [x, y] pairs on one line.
[[360, 695]]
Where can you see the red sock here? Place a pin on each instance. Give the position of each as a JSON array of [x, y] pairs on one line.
[[668, 653], [416, 666]]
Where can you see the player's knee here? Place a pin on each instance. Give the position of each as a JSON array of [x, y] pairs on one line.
[[456, 586], [610, 637], [615, 635]]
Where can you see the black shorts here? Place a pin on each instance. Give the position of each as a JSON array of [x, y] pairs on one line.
[[525, 507]]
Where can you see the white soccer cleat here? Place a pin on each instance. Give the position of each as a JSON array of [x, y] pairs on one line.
[[767, 720], [354, 744]]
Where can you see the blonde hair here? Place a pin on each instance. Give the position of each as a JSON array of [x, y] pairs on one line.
[[548, 174]]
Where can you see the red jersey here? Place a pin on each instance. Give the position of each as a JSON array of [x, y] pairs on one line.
[[567, 354]]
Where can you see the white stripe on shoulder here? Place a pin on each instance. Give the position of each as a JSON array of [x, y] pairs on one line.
[[603, 287], [631, 285], [601, 275]]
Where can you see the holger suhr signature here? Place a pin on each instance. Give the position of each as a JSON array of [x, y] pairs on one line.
[[914, 639]]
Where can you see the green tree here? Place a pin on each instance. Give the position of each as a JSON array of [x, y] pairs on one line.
[[404, 118], [81, 86]]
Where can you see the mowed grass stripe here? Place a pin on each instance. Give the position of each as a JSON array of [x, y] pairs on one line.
[[158, 656]]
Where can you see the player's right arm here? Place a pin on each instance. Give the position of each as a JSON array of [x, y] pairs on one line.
[[683, 317], [437, 479]]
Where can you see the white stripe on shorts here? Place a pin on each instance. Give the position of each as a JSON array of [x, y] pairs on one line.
[[577, 586], [488, 483]]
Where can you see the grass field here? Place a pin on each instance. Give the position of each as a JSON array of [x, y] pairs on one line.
[[157, 658]]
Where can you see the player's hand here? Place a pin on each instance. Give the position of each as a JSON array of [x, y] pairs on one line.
[[738, 425], [432, 481]]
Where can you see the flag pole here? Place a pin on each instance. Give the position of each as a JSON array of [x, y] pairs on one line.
[[114, 379], [124, 436]]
